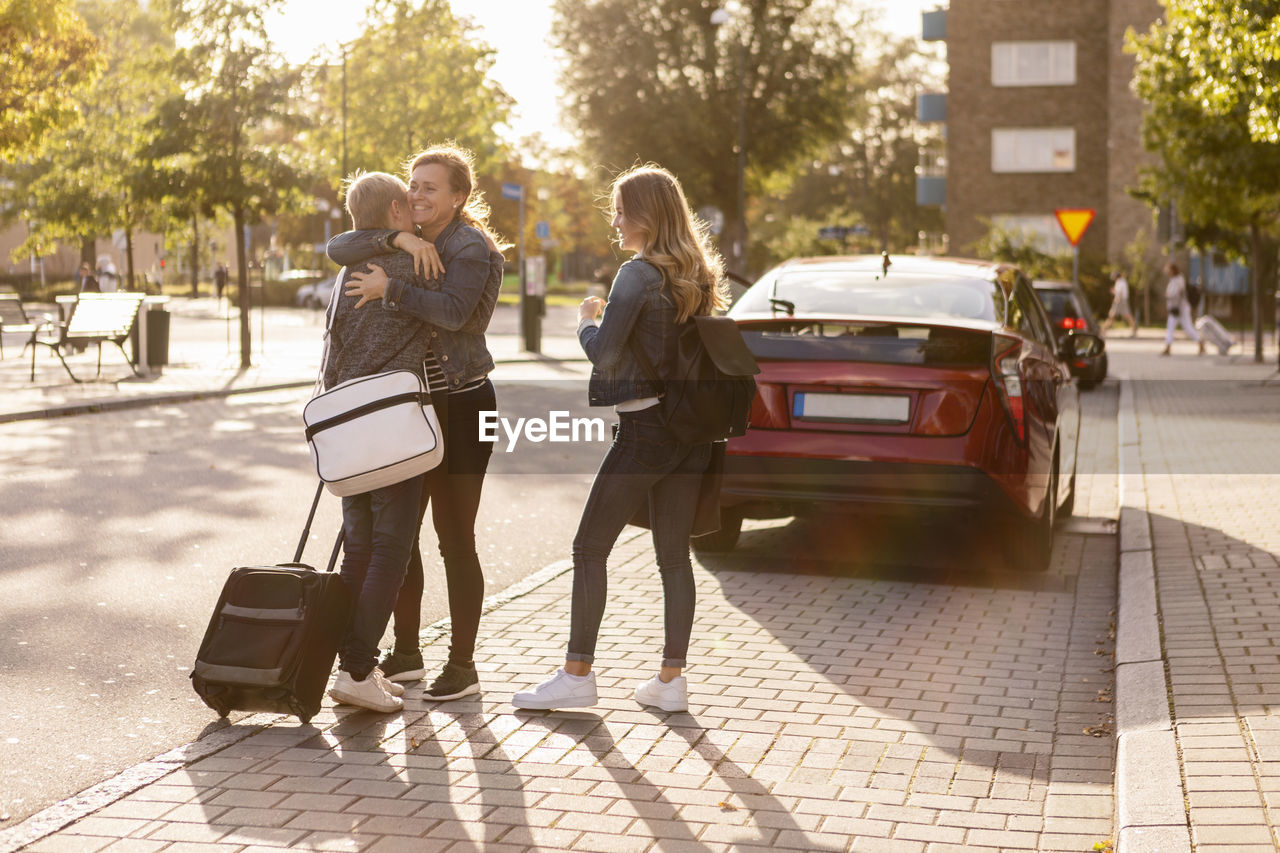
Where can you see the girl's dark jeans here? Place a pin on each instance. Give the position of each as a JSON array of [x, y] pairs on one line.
[[453, 492], [645, 464], [378, 533]]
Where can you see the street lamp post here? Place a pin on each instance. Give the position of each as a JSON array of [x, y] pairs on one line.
[[740, 245], [718, 18]]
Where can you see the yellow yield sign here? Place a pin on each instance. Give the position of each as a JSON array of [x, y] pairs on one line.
[[1074, 221]]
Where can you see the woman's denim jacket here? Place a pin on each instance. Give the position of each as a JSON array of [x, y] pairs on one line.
[[640, 308], [458, 306]]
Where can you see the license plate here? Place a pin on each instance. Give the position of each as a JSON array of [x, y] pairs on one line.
[[855, 408]]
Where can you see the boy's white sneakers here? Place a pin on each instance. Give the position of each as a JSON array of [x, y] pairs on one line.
[[561, 690], [387, 684], [670, 695], [368, 694]]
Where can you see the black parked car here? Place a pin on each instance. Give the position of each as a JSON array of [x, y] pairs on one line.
[[1068, 311]]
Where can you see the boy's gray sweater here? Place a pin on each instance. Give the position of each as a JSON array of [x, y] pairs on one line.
[[371, 339]]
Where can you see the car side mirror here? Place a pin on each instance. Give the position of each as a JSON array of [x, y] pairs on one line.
[[1080, 345]]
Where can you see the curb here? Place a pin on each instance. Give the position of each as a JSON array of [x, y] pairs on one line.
[[1150, 808], [103, 794], [99, 796], [142, 400]]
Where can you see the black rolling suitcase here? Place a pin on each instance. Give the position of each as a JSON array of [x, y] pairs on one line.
[[271, 643]]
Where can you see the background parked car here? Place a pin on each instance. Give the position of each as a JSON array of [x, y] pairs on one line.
[[935, 387], [316, 294], [1068, 311]]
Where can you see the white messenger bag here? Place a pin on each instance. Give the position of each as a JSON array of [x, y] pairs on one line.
[[372, 431]]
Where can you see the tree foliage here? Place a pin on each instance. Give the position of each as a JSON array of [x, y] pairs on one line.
[[867, 176], [1238, 42], [405, 92], [1212, 164], [88, 176], [46, 52], [661, 82]]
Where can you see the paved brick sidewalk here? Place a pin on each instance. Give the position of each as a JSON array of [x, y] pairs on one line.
[[1210, 485], [828, 713]]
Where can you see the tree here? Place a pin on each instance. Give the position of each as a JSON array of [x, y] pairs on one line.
[[226, 141], [867, 176], [661, 82], [1214, 168], [1244, 48], [46, 51], [392, 96], [88, 176], [884, 149]]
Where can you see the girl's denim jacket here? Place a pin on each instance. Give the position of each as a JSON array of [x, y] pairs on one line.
[[458, 307], [640, 308]]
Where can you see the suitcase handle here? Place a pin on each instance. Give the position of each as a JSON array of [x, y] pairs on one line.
[[306, 532]]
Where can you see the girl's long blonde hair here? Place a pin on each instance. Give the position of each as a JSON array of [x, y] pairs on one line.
[[459, 163], [674, 241]]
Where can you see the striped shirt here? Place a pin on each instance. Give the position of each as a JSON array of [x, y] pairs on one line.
[[436, 381]]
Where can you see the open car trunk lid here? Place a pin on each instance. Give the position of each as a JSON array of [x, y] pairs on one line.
[[889, 376]]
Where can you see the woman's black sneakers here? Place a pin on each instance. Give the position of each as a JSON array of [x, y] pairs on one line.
[[401, 667], [453, 682]]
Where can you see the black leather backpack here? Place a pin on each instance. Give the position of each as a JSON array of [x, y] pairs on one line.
[[708, 396]]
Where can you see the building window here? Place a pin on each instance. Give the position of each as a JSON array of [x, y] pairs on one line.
[[1038, 231], [1033, 63], [1038, 149]]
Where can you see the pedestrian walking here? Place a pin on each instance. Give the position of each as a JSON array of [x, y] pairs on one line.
[[220, 280], [673, 277], [454, 247], [1178, 304], [380, 526], [1120, 305], [88, 282], [108, 276]]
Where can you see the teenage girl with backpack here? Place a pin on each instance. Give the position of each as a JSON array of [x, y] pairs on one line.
[[673, 277]]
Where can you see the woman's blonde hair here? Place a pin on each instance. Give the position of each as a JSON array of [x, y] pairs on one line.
[[459, 163], [674, 241]]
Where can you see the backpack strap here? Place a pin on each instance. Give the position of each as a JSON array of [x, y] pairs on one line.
[[330, 312]]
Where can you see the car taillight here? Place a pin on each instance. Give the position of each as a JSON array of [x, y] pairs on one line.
[[1072, 323], [769, 408], [1004, 369]]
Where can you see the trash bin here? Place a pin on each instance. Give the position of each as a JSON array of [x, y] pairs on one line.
[[157, 320], [157, 337]]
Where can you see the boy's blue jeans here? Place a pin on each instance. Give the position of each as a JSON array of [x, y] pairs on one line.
[[378, 532]]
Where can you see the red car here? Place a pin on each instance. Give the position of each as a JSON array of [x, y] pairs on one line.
[[924, 383]]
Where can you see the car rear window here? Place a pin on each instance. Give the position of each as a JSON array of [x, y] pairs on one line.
[[889, 343], [838, 291], [1058, 303]]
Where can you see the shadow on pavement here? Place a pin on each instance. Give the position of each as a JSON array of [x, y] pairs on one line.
[[659, 807], [948, 658]]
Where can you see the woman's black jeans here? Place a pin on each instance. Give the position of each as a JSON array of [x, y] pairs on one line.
[[645, 464], [452, 489]]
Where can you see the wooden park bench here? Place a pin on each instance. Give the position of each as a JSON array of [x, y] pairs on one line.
[[15, 320], [96, 318]]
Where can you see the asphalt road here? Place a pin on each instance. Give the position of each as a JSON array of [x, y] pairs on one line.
[[121, 528], [119, 531]]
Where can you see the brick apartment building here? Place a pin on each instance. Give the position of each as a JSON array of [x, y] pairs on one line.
[[1039, 115]]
